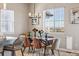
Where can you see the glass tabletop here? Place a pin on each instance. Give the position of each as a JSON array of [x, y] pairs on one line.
[[9, 41]]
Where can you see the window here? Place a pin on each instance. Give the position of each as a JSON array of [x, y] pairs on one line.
[[53, 20], [7, 21]]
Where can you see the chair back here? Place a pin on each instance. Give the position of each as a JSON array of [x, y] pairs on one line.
[[27, 42], [36, 43], [18, 42]]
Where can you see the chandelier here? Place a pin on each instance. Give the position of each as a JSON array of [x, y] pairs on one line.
[[34, 15]]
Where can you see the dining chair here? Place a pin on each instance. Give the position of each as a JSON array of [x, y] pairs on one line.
[[27, 44], [52, 46], [36, 44], [17, 45]]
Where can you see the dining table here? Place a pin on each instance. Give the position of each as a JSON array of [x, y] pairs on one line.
[[9, 41], [46, 41]]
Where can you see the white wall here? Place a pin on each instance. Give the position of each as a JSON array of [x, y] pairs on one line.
[[70, 29]]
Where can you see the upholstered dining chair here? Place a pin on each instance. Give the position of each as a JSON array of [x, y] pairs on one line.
[[52, 46], [27, 44], [36, 44], [27, 41], [17, 45]]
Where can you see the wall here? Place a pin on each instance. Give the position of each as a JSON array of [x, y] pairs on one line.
[[70, 29], [20, 17]]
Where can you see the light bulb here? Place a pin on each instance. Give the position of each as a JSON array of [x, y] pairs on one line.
[[4, 5], [30, 14]]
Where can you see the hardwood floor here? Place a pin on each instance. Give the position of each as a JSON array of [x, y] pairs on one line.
[[48, 53]]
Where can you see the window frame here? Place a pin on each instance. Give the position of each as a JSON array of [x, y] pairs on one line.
[[8, 21], [53, 21]]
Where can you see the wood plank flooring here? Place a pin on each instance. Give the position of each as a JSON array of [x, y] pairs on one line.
[[48, 53]]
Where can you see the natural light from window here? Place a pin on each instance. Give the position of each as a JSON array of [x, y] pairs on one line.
[[53, 20], [7, 21]]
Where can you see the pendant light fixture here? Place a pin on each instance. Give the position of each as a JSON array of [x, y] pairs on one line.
[[34, 15]]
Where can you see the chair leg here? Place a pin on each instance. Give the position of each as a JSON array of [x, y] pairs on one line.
[[33, 50], [22, 52], [13, 53], [44, 50], [24, 49], [39, 52], [52, 52], [58, 53], [29, 49], [3, 53]]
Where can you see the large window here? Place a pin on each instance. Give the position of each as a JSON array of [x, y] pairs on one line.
[[7, 21], [53, 20]]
